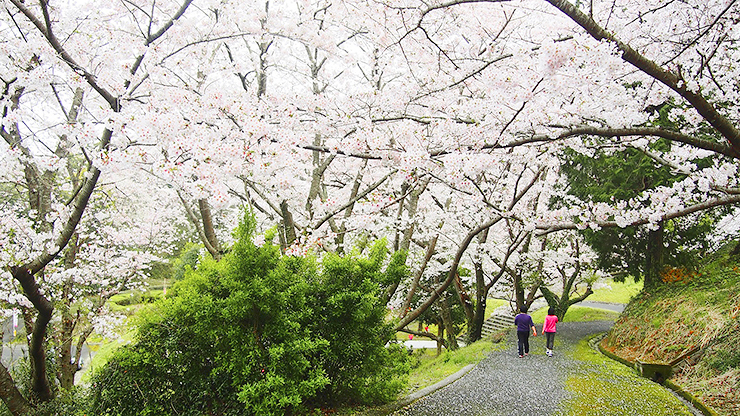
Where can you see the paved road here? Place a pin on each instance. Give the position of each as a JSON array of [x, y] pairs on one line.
[[615, 307], [506, 385], [503, 384]]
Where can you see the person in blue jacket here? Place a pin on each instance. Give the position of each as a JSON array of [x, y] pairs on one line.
[[523, 324]]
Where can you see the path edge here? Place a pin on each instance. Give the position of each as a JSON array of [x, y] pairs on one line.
[[405, 401]]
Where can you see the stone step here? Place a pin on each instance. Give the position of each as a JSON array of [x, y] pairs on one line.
[[495, 323]]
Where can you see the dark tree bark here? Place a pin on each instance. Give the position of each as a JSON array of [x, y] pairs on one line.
[[13, 399], [40, 386], [655, 258], [208, 229], [288, 224], [446, 316], [475, 326]]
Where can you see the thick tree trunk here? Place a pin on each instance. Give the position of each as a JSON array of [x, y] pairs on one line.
[[519, 291], [288, 225], [15, 402], [67, 368], [464, 298], [205, 231], [40, 387], [214, 247], [440, 335], [562, 303]]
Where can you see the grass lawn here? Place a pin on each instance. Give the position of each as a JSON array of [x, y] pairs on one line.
[[103, 352], [616, 292], [614, 389], [578, 314]]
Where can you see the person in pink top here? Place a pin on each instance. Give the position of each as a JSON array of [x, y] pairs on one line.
[[548, 328]]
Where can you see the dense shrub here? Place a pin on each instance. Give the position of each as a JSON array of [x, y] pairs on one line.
[[260, 333], [347, 314]]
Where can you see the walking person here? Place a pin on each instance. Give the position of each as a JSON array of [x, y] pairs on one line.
[[549, 329], [523, 324]]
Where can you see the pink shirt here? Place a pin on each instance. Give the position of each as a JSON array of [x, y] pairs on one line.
[[550, 321]]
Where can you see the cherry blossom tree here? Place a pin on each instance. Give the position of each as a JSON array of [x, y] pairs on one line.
[[436, 125], [568, 264], [681, 50], [683, 55], [111, 251], [581, 87], [57, 159]]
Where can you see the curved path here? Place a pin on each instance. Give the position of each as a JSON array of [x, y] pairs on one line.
[[503, 384]]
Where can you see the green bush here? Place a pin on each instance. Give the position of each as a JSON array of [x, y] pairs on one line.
[[260, 333], [72, 402], [348, 315]]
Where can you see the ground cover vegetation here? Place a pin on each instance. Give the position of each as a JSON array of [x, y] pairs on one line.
[[460, 132], [601, 385], [692, 322]]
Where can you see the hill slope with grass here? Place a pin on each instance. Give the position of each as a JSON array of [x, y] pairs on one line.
[[692, 321]]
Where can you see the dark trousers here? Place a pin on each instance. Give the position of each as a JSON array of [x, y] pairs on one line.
[[523, 342], [550, 339]]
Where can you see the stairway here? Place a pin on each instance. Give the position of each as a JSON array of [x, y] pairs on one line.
[[496, 323]]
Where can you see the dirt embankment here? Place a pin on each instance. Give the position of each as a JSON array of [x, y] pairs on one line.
[[692, 323]]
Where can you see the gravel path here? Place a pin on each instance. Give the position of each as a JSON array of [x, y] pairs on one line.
[[504, 384]]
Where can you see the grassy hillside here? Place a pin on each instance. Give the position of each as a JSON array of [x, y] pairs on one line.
[[694, 315]]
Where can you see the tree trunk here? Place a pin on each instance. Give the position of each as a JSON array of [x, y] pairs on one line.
[[40, 387], [519, 291], [417, 277], [13, 399], [288, 225], [561, 304], [348, 211], [440, 335], [436, 291], [67, 366], [654, 258], [206, 232], [475, 325], [65, 372], [64, 333], [464, 298], [209, 230], [446, 315]]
